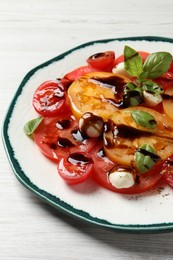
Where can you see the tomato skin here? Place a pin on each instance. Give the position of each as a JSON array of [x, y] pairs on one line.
[[120, 58], [102, 167], [169, 74], [102, 61], [56, 142], [167, 171], [171, 67], [164, 82], [77, 172], [49, 98], [77, 73]]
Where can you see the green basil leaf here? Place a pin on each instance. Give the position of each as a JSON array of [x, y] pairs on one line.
[[151, 87], [132, 95], [145, 157], [144, 119], [156, 64], [31, 126], [132, 62]]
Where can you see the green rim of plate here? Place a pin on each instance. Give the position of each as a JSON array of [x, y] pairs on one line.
[[51, 199]]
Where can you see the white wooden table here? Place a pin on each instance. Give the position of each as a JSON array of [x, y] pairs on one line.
[[32, 32]]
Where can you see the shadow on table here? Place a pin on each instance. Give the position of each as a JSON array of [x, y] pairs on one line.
[[140, 246]]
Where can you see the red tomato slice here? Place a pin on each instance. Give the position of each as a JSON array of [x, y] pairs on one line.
[[102, 61], [143, 55], [77, 73], [102, 167], [167, 171], [169, 74], [171, 67], [57, 137], [49, 98], [164, 83], [75, 168]]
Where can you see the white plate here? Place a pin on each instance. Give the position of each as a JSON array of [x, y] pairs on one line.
[[149, 212]]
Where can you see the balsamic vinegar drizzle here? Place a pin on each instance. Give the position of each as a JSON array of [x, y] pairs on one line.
[[64, 143], [78, 136], [153, 156], [116, 84], [79, 159], [63, 124], [124, 131], [101, 153]]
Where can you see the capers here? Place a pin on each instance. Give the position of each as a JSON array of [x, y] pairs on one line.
[[91, 125]]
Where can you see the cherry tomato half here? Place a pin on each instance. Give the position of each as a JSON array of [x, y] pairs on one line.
[[167, 171], [57, 137], [75, 168], [102, 61], [49, 98], [102, 167]]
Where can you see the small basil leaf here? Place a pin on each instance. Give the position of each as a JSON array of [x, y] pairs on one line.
[[130, 86], [145, 157], [156, 64], [132, 95], [132, 62], [151, 87], [31, 126], [144, 119]]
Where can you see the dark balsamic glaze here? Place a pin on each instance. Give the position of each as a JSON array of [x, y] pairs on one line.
[[78, 135], [167, 97], [125, 131], [64, 143], [52, 146], [101, 153], [153, 156], [63, 124], [116, 84], [113, 82], [97, 55], [121, 131], [78, 158], [108, 142]]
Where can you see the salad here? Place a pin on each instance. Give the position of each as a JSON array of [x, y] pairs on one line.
[[110, 120]]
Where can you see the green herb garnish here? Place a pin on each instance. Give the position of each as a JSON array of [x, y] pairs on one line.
[[144, 119], [132, 95], [145, 157], [31, 126], [133, 62], [155, 65], [151, 87]]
